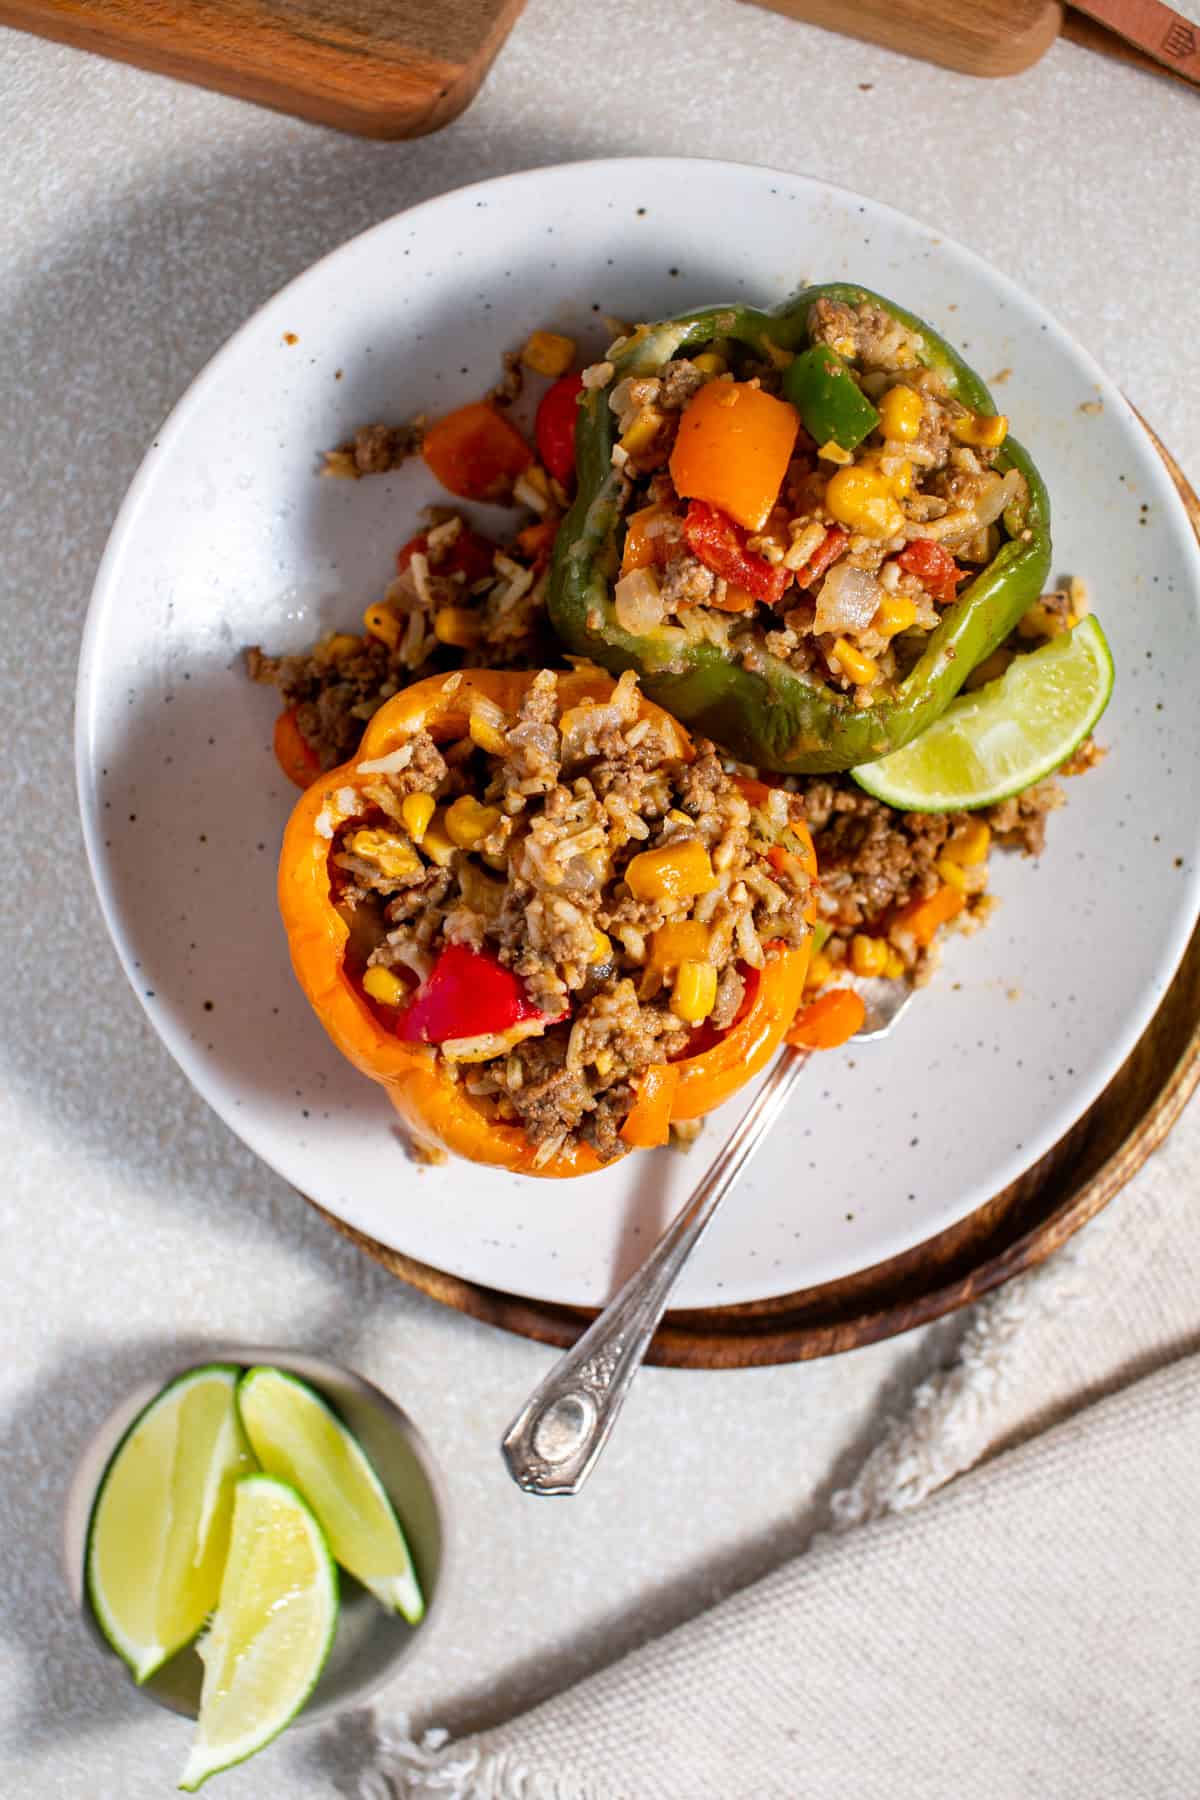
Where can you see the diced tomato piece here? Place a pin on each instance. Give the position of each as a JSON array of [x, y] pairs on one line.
[[554, 427], [720, 544], [825, 554], [469, 555], [934, 568]]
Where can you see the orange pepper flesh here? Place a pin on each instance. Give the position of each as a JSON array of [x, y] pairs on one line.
[[648, 1122], [828, 1021], [732, 449], [476, 452], [436, 1107], [299, 762], [922, 919]]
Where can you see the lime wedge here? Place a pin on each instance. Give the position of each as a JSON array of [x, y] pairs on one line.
[[296, 1436], [160, 1526], [1005, 736], [272, 1630]]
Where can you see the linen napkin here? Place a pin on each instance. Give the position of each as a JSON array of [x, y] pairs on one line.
[[1032, 1630]]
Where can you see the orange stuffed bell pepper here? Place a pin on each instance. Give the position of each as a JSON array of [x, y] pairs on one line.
[[543, 920]]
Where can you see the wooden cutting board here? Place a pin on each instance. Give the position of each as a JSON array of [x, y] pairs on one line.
[[382, 68]]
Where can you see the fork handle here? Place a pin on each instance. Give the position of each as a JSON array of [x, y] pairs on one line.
[[552, 1445]]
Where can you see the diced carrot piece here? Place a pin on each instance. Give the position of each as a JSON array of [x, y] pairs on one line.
[[736, 599], [828, 1021], [646, 543], [732, 449], [537, 541], [476, 452], [648, 1122], [922, 919]]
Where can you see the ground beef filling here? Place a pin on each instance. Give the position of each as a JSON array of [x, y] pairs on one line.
[[525, 858]]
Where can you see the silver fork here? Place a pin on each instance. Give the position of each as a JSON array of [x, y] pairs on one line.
[[552, 1445]]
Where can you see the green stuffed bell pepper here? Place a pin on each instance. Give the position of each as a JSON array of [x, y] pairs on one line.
[[807, 561]]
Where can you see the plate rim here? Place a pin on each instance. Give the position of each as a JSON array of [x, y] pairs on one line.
[[104, 586]]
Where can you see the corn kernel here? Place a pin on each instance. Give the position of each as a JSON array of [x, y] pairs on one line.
[[382, 623], [902, 481], [846, 347], [861, 670], [340, 644], [968, 846], [391, 855], [898, 481], [834, 452], [548, 353], [685, 940], [900, 412], [435, 843], [457, 625], [678, 871], [601, 947], [709, 363], [820, 968], [896, 612], [467, 822], [695, 992], [383, 986], [868, 955], [486, 735], [416, 810], [952, 874], [678, 817], [861, 498], [893, 968], [602, 1062], [642, 432], [982, 431]]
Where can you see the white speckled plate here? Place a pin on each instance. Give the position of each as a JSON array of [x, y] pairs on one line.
[[227, 539]]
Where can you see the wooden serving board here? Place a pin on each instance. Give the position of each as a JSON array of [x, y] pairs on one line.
[[382, 68], [1018, 1228]]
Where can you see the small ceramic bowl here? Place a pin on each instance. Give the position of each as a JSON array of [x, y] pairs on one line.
[[370, 1643]]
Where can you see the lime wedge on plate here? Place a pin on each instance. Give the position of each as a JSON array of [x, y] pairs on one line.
[[272, 1630], [1005, 736], [296, 1436], [160, 1526]]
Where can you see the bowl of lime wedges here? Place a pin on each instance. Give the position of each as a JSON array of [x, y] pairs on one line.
[[260, 1539]]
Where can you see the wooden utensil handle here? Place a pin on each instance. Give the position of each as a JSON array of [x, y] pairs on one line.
[[1157, 30]]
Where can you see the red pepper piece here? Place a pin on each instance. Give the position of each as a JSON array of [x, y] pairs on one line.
[[469, 555], [468, 993], [934, 568], [720, 544], [825, 554], [554, 427]]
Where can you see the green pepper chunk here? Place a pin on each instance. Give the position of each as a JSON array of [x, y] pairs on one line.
[[770, 715], [829, 400]]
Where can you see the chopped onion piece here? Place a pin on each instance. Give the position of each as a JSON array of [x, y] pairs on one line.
[[989, 506], [848, 600], [639, 602]]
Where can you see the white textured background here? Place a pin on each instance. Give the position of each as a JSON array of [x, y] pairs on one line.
[[141, 221]]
